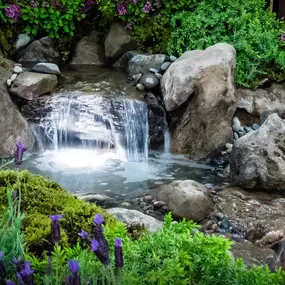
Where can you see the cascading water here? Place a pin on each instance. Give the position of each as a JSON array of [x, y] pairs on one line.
[[81, 121]]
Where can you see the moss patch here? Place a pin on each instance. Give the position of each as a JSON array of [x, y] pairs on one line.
[[42, 198]]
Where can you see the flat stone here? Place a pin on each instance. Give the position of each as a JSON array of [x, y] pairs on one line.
[[133, 217], [137, 77], [149, 80], [236, 136], [153, 70], [158, 76], [30, 85], [255, 127], [49, 68], [18, 69], [236, 127], [229, 146], [13, 77], [248, 129], [165, 66], [172, 58], [125, 204], [9, 82], [158, 204], [147, 198]]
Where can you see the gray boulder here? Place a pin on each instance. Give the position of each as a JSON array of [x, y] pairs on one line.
[[44, 49], [261, 103], [22, 41], [149, 80], [89, 51], [199, 92], [185, 199], [123, 62], [118, 42], [258, 158], [30, 85], [142, 63], [255, 256], [131, 217], [44, 67], [13, 126]]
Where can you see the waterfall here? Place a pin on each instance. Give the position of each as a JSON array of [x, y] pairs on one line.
[[89, 121], [167, 141]]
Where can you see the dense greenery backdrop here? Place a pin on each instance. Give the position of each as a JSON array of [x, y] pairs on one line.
[[163, 26]]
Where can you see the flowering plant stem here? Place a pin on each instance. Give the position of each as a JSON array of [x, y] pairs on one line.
[[57, 262]]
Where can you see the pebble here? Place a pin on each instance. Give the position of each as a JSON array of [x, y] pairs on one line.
[[18, 64], [140, 87], [125, 204], [229, 151], [223, 153], [148, 207], [165, 65], [158, 75], [13, 77], [236, 127], [219, 216], [153, 70], [143, 204], [158, 204], [137, 77], [229, 146], [165, 208], [172, 58], [255, 127], [236, 121], [9, 82], [247, 129], [241, 134], [147, 199], [18, 69], [236, 137]]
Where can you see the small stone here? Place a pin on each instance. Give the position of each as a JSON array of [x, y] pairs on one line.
[[148, 207], [158, 76], [18, 64], [142, 204], [255, 127], [9, 82], [229, 146], [140, 87], [247, 129], [219, 216], [241, 134], [229, 151], [158, 204], [223, 153], [165, 208], [125, 204], [153, 70], [137, 77], [47, 68], [236, 137], [149, 80], [147, 198], [236, 121], [18, 69], [236, 127], [172, 58], [13, 77], [165, 66]]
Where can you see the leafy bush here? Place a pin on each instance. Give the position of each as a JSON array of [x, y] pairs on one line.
[[178, 254], [251, 29], [42, 198]]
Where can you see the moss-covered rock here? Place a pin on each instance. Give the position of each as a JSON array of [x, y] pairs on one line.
[[41, 198]]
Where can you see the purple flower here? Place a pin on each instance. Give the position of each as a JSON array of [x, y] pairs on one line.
[[73, 266], [1, 255], [13, 11], [87, 6], [20, 279], [34, 3], [27, 274], [16, 260], [83, 234], [122, 9], [98, 219], [135, 2], [102, 253], [20, 149], [9, 282], [283, 37], [14, 195], [19, 263], [74, 278], [55, 228], [147, 7], [119, 261]]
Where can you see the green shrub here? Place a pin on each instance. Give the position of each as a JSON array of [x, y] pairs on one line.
[[42, 198], [252, 30], [177, 254]]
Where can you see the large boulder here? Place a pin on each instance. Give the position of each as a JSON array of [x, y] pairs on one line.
[[118, 42], [199, 92], [30, 85], [185, 199], [134, 217], [89, 51], [141, 63], [13, 127], [258, 158], [257, 105], [123, 61], [44, 49]]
